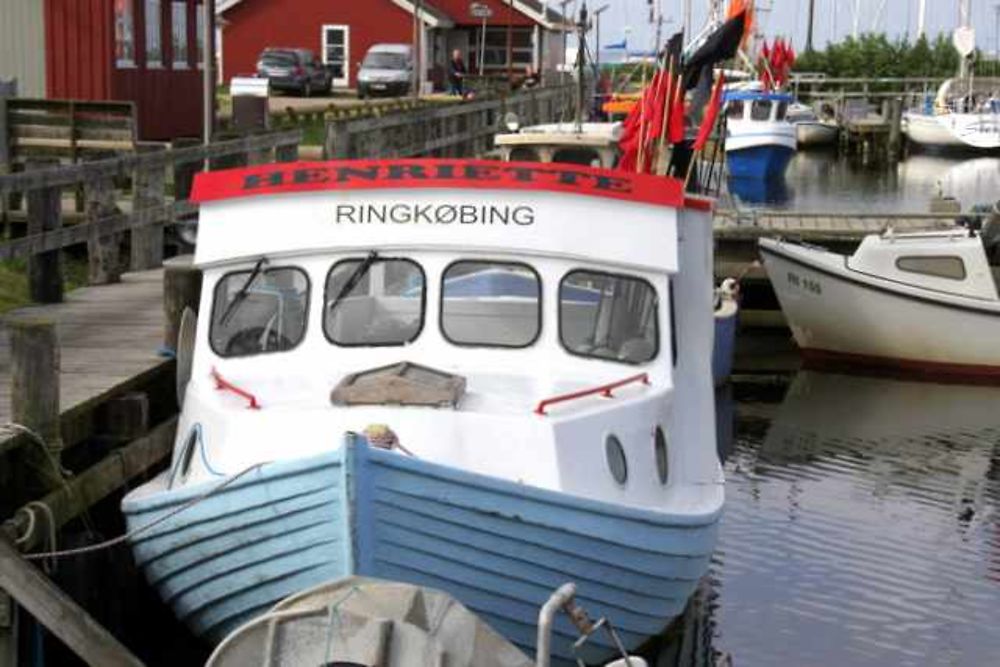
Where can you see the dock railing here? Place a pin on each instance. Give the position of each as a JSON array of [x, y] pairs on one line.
[[136, 195], [456, 130]]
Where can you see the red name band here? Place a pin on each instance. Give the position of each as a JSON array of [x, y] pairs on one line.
[[455, 174]]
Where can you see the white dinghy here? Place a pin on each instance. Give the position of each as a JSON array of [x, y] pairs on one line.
[[923, 303], [486, 378]]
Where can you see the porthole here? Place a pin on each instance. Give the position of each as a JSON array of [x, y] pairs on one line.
[[616, 459], [660, 447]]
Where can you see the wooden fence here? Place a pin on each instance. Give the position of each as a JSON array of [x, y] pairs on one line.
[[128, 201], [457, 130]]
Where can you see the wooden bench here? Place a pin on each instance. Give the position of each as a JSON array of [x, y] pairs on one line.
[[70, 131]]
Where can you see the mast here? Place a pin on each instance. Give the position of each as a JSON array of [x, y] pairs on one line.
[[809, 33], [922, 19], [581, 51], [687, 18], [857, 18], [963, 22]]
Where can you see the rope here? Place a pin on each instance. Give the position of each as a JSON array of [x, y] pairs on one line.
[[37, 439], [141, 529], [333, 614]]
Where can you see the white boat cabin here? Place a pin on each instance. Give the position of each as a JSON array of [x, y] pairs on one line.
[[589, 144], [951, 261], [531, 324]]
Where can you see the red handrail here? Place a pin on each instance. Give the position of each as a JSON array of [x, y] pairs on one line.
[[223, 384], [604, 390]]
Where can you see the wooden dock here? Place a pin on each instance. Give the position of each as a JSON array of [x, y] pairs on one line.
[[752, 224], [109, 340]]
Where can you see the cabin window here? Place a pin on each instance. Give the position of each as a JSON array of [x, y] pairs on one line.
[[760, 110], [782, 111], [154, 38], [584, 156], [734, 110], [374, 301], [259, 311], [524, 154], [608, 316], [491, 304], [179, 34], [939, 267], [124, 33]]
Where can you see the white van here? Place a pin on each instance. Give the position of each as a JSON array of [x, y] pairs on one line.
[[386, 70]]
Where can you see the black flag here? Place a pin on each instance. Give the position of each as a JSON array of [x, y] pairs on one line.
[[720, 45]]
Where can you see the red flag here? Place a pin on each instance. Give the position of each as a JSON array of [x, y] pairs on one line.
[[711, 114], [675, 132]]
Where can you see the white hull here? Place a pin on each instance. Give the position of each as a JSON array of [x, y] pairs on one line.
[[976, 131], [816, 133], [743, 135], [839, 314]]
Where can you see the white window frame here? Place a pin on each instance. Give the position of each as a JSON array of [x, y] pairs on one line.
[[346, 79], [152, 63], [174, 5]]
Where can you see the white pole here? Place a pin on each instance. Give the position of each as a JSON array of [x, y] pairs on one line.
[[857, 17], [922, 19], [687, 20], [208, 71]]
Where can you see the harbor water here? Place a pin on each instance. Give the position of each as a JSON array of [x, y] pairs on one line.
[[817, 181], [861, 523]]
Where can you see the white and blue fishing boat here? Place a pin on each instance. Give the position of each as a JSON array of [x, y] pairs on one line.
[[760, 140], [486, 378]]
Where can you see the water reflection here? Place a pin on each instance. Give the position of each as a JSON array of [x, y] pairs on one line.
[[822, 182], [773, 192], [861, 528]]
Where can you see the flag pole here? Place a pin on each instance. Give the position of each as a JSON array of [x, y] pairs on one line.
[[666, 115], [642, 124]]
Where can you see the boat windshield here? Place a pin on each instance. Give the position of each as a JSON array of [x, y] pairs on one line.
[[608, 316], [491, 304], [384, 307], [259, 311]]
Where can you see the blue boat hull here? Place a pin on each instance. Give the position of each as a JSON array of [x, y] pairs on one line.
[[724, 348], [767, 161], [499, 547]]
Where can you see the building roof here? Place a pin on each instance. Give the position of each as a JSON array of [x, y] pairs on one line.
[[433, 16]]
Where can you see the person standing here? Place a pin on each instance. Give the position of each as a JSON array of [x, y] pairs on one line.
[[456, 74]]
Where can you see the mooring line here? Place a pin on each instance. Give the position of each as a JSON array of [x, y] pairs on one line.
[[141, 529]]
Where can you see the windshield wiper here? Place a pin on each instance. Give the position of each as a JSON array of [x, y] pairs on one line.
[[242, 294], [354, 279]]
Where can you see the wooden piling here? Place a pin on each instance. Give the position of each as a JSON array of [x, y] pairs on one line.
[[895, 128], [181, 289], [147, 195], [63, 617], [103, 252], [34, 371], [8, 631], [45, 271]]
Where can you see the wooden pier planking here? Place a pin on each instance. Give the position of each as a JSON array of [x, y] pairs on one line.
[[746, 225], [109, 336]]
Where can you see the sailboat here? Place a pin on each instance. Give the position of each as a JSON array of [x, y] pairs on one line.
[[965, 113]]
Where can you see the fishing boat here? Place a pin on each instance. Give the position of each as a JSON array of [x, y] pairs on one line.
[[965, 114], [921, 303], [760, 140], [351, 408], [810, 129]]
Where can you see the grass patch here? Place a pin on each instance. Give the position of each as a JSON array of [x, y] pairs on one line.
[[14, 280]]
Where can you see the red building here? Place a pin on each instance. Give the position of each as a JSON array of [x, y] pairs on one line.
[[145, 51], [340, 32]]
